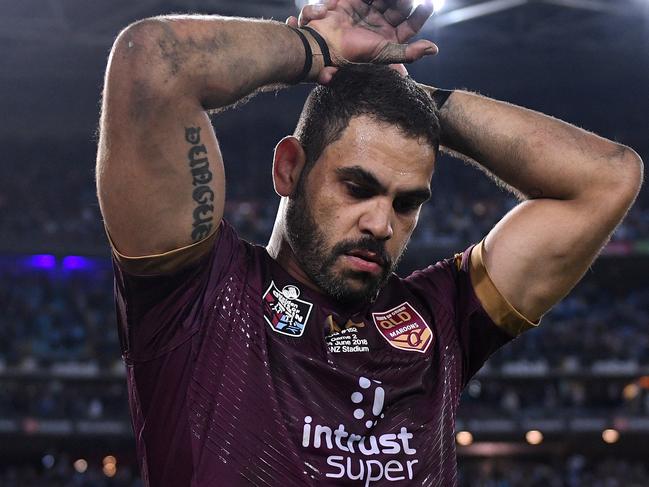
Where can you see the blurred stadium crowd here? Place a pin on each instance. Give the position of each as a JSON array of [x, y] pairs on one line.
[[575, 472], [57, 316], [66, 214]]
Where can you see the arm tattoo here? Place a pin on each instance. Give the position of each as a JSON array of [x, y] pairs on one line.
[[201, 177]]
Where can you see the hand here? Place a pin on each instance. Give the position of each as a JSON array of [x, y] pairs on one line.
[[360, 33]]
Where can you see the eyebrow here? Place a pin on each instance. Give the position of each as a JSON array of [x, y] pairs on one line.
[[361, 176]]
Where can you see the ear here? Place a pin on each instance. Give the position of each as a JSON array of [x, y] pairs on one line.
[[288, 162]]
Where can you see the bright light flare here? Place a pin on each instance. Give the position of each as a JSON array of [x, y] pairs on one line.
[[48, 461], [110, 469], [300, 4], [464, 438], [80, 465], [630, 392], [109, 459], [534, 437], [437, 4], [610, 436]]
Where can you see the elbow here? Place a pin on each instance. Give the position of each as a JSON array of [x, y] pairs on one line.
[[630, 175], [135, 43], [615, 185], [138, 55]]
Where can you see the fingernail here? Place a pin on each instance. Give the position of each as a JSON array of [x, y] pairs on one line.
[[319, 8]]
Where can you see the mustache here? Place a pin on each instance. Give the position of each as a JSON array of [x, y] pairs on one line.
[[368, 243]]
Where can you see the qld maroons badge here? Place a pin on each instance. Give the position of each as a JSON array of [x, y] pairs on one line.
[[284, 311], [404, 328]]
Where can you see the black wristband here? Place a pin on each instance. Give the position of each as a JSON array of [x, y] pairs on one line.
[[308, 60], [326, 55], [440, 97]]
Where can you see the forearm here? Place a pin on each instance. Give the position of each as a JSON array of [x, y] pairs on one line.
[[538, 155], [215, 60]]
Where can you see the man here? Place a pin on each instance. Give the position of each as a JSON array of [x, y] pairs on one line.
[[308, 362]]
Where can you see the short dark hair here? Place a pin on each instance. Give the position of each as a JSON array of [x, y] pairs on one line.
[[363, 89]]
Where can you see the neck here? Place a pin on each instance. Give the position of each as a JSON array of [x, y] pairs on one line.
[[280, 250]]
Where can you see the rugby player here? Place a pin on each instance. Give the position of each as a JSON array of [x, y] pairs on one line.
[[308, 361]]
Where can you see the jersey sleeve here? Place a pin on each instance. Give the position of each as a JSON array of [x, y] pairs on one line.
[[462, 295], [161, 300]]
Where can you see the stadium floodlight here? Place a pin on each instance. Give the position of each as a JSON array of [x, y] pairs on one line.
[[464, 438], [110, 469], [610, 436], [48, 461], [482, 9], [80, 465], [300, 4], [109, 459], [437, 4], [534, 437]]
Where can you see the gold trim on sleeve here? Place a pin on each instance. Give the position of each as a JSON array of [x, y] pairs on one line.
[[167, 262], [501, 311]]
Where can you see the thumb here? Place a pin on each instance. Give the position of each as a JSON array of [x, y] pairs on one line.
[[292, 21], [419, 49]]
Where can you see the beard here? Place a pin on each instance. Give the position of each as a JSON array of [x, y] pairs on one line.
[[317, 259]]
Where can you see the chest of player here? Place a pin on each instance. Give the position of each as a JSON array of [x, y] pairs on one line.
[[305, 320], [320, 393], [365, 394]]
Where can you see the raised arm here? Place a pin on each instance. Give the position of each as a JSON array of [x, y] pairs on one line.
[[160, 175], [159, 170], [577, 185]]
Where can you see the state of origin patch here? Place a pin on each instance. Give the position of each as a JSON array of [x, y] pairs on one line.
[[284, 311], [404, 328]]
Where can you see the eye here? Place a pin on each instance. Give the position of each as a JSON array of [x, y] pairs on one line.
[[359, 192], [406, 205]]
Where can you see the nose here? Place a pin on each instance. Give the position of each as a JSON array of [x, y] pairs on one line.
[[376, 220]]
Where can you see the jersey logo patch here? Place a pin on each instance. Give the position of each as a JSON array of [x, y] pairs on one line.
[[284, 312], [347, 338], [404, 328]]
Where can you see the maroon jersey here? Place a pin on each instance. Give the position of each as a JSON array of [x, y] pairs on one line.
[[241, 376]]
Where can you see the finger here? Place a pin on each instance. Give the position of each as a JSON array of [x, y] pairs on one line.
[[379, 5], [312, 12], [420, 49], [416, 21], [316, 11], [398, 12], [393, 53], [326, 75], [292, 21]]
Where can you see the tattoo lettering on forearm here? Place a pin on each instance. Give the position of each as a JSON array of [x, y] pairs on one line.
[[203, 215]]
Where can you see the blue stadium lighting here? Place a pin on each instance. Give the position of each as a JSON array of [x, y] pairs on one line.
[[48, 461], [74, 262], [42, 261]]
